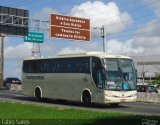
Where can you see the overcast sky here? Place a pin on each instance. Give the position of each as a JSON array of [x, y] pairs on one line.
[[132, 28]]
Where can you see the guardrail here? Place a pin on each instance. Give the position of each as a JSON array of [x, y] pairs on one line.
[[148, 97], [141, 96]]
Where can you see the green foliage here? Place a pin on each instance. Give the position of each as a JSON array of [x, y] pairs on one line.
[[16, 110], [27, 114], [157, 80]]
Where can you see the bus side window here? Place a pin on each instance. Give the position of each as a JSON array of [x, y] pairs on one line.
[[33, 67], [42, 66], [84, 65], [26, 66], [71, 65], [51, 67]]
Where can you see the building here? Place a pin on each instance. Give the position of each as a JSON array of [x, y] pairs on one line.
[[148, 67]]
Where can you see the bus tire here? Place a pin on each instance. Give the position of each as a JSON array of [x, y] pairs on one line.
[[86, 98], [38, 95]]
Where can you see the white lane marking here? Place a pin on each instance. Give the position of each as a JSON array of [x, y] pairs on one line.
[[17, 95]]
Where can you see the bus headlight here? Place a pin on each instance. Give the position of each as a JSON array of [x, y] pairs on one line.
[[109, 94]]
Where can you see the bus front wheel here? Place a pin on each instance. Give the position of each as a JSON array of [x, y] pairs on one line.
[[86, 99], [38, 95]]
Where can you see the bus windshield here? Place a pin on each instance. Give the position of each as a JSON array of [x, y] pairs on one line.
[[120, 74]]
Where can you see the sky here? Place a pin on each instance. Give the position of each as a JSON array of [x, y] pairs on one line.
[[132, 28]]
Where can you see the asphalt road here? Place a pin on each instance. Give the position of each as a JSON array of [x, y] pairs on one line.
[[135, 108]]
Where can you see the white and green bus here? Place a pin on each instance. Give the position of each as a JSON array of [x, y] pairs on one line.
[[90, 77]]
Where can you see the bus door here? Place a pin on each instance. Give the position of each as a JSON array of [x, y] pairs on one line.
[[98, 78]]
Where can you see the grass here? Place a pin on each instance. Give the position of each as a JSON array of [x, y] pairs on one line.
[[27, 114]]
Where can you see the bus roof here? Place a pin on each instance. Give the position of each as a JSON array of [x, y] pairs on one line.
[[84, 54]]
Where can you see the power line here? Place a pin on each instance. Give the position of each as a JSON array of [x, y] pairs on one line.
[[136, 34], [136, 18], [7, 1], [28, 2], [15, 3], [105, 11], [22, 2], [141, 17], [129, 10], [140, 7], [131, 29]]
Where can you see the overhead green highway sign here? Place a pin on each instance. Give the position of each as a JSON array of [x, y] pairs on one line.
[[34, 37]]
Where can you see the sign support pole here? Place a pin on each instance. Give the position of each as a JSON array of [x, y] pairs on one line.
[[1, 59], [36, 51]]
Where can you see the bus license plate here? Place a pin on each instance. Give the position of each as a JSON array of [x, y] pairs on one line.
[[123, 100]]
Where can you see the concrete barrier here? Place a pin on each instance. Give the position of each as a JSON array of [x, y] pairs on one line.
[[15, 87], [148, 97], [159, 91]]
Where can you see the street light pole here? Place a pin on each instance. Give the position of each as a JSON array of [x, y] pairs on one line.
[[1, 59], [104, 39]]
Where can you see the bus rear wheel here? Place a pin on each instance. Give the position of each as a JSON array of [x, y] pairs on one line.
[[38, 95], [86, 99]]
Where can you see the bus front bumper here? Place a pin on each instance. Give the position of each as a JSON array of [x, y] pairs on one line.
[[119, 97], [119, 100]]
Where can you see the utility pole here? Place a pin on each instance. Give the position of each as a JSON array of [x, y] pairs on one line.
[[104, 39], [143, 73], [1, 59], [36, 51]]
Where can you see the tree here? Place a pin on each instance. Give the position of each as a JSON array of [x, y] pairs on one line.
[[157, 80]]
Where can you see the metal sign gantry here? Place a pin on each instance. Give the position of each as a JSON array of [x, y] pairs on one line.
[[12, 20]]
